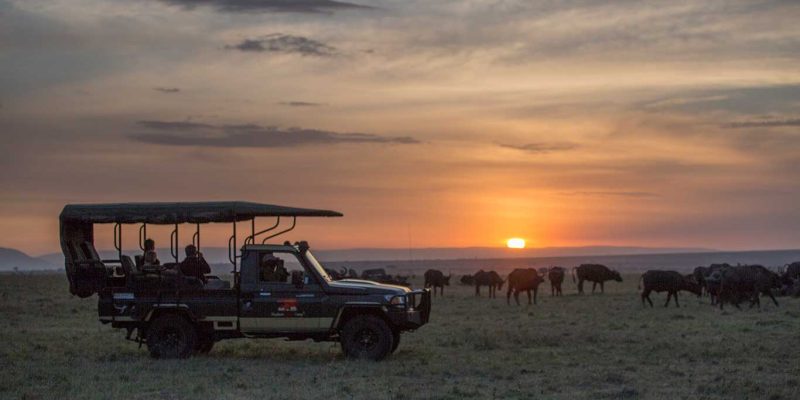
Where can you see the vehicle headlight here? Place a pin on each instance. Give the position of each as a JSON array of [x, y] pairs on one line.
[[396, 300]]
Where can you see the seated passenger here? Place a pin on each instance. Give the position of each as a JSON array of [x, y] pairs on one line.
[[150, 256], [194, 264], [272, 269], [281, 274]]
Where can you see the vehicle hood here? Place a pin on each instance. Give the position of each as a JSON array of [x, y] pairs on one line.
[[358, 286]]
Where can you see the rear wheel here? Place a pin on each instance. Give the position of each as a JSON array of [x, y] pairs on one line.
[[366, 337], [171, 336]]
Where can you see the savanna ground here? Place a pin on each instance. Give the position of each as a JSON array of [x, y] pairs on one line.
[[590, 346]]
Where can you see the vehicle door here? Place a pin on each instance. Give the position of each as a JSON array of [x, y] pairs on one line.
[[277, 303]]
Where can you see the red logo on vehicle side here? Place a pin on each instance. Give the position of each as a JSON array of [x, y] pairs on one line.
[[287, 305]]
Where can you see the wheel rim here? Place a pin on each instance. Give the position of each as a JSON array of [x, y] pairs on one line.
[[366, 340], [171, 341]]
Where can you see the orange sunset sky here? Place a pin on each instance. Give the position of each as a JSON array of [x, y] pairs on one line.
[[427, 123]]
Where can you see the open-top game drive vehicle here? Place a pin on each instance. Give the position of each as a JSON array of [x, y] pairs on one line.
[[278, 290]]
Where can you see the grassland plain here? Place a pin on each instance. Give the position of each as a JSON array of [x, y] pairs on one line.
[[573, 347]]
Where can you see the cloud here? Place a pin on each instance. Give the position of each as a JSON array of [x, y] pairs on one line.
[[541, 148], [280, 43], [167, 89], [173, 125], [770, 123], [250, 135], [748, 100], [301, 104], [633, 194], [296, 6]]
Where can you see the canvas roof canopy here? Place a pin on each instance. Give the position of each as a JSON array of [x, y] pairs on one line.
[[179, 213]]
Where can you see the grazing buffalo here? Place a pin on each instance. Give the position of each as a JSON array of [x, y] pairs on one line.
[[336, 275], [700, 274], [667, 281], [594, 273], [523, 280], [556, 277], [491, 279], [467, 280], [373, 274], [747, 282], [792, 271], [349, 273], [710, 278], [379, 275], [436, 279]]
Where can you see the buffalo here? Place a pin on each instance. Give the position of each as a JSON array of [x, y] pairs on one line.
[[710, 278], [379, 275], [747, 282], [373, 274], [701, 273], [491, 279], [467, 280], [594, 273], [436, 279], [523, 280], [556, 277], [667, 281], [344, 273], [792, 271]]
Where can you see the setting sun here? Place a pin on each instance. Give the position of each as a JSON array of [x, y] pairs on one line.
[[516, 243]]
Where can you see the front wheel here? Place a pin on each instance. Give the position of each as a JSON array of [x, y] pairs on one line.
[[366, 337], [171, 336]]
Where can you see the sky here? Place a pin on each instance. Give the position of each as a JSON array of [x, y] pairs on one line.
[[427, 123]]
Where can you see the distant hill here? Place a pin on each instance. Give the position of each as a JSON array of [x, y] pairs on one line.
[[457, 253], [219, 255], [11, 259]]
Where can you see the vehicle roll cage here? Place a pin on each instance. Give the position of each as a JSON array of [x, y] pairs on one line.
[[174, 243], [77, 221]]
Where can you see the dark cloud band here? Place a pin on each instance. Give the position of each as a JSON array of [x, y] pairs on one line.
[[764, 124], [249, 135], [296, 6], [541, 148], [167, 89], [301, 104], [280, 43]]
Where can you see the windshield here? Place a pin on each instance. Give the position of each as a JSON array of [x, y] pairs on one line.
[[316, 265]]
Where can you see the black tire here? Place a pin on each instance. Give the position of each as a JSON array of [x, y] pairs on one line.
[[171, 336], [366, 337], [205, 342], [395, 340]]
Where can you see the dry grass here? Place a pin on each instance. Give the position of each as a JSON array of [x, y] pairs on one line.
[[592, 346]]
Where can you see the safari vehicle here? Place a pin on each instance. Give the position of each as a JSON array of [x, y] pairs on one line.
[[177, 316]]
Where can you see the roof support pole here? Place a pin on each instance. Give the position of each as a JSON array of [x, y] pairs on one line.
[[232, 256], [173, 243], [294, 223], [196, 238], [118, 239], [142, 235], [252, 238]]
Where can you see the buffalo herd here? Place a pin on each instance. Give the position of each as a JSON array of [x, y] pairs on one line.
[[722, 283]]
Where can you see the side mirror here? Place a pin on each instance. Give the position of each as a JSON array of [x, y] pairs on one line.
[[297, 278]]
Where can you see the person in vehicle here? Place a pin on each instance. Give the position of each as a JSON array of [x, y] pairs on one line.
[[272, 269], [150, 256], [194, 265]]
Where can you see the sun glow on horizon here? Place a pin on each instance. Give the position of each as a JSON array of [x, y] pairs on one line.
[[515, 243]]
